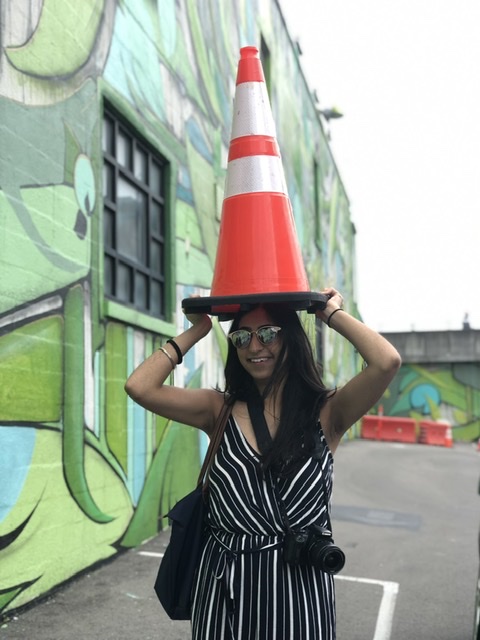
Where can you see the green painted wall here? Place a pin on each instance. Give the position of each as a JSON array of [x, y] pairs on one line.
[[449, 392], [84, 471]]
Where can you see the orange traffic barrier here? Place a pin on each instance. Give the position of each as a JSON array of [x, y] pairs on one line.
[[436, 433], [390, 429], [371, 427], [398, 430]]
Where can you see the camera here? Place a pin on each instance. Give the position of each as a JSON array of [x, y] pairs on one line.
[[314, 546]]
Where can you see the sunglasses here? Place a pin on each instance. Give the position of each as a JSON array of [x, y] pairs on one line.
[[242, 337]]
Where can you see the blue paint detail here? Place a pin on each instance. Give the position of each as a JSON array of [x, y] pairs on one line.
[[84, 180], [138, 458], [184, 186], [133, 42], [198, 140], [420, 396], [251, 23], [16, 450], [136, 434], [203, 441]]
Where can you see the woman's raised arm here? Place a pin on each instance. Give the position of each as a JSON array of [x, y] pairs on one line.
[[196, 407], [352, 401]]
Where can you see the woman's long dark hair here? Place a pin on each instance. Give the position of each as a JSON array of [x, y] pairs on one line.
[[303, 392]]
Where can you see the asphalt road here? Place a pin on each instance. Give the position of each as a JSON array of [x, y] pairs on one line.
[[407, 517]]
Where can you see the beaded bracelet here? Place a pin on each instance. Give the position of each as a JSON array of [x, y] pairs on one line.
[[168, 356], [177, 350], [332, 314]]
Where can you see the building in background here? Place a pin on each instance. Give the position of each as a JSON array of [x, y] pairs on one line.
[[114, 132], [439, 380]]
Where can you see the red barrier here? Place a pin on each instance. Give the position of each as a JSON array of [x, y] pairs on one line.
[[398, 430], [389, 429], [436, 433], [371, 427]]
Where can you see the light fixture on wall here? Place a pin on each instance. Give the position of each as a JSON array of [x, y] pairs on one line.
[[330, 114]]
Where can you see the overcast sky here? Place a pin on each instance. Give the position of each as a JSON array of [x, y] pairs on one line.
[[406, 76]]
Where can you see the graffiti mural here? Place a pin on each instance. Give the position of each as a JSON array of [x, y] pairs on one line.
[[449, 392], [83, 470]]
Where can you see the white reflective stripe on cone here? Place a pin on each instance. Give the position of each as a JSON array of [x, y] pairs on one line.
[[252, 114], [255, 174]]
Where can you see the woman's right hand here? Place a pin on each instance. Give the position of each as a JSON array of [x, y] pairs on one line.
[[199, 320]]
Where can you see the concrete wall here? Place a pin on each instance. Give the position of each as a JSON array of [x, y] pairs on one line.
[[437, 346], [439, 380], [84, 471]]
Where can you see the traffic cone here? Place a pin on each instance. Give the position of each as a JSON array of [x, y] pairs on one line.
[[448, 437], [258, 256]]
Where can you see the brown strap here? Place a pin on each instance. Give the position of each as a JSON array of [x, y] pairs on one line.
[[215, 440]]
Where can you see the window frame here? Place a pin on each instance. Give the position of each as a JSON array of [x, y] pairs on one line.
[[139, 313]]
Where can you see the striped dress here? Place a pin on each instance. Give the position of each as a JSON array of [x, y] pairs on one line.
[[244, 589]]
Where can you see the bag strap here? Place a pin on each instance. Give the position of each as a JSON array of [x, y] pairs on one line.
[[215, 440]]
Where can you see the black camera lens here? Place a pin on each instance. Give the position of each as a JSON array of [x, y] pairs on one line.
[[326, 556]]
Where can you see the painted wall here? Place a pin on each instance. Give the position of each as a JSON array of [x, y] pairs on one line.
[[84, 471], [449, 391]]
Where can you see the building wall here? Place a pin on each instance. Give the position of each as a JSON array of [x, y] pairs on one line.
[[84, 471], [439, 380]]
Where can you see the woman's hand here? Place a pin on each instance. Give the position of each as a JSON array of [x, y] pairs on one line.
[[334, 302], [200, 321]]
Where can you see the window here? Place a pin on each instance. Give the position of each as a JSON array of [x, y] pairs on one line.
[[134, 216]]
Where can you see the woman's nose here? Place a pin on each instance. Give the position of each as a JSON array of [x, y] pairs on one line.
[[255, 343]]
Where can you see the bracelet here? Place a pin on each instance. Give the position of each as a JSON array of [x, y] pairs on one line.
[[332, 314], [177, 350], [168, 356]]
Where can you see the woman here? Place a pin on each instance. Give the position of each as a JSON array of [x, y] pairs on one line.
[[247, 587]]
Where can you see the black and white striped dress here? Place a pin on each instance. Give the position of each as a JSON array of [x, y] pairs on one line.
[[244, 589]]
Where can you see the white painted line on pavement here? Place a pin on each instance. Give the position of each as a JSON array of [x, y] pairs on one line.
[[383, 628], [151, 554]]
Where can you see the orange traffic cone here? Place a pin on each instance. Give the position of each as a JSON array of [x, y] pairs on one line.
[[448, 437], [258, 256]]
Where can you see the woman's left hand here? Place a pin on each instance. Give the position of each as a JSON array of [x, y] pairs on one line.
[[335, 301]]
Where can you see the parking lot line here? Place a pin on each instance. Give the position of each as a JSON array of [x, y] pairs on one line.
[[383, 628], [151, 554]]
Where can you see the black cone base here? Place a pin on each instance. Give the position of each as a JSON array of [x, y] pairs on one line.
[[226, 307]]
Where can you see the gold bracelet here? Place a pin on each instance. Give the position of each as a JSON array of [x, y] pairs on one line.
[[168, 356]]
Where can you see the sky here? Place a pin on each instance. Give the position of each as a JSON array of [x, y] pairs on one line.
[[406, 76]]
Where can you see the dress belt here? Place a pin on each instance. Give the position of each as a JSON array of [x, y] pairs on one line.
[[225, 568]]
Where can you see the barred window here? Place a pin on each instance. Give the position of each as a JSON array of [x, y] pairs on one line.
[[134, 216]]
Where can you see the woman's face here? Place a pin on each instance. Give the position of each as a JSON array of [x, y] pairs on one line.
[[257, 359]]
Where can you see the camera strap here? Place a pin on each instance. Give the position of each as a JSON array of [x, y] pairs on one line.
[[259, 424], [264, 443]]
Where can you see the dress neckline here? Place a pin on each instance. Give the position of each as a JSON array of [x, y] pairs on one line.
[[244, 439]]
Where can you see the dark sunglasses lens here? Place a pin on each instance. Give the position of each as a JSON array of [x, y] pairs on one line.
[[266, 335], [240, 338]]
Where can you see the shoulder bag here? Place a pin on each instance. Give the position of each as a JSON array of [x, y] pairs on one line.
[[179, 565]]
